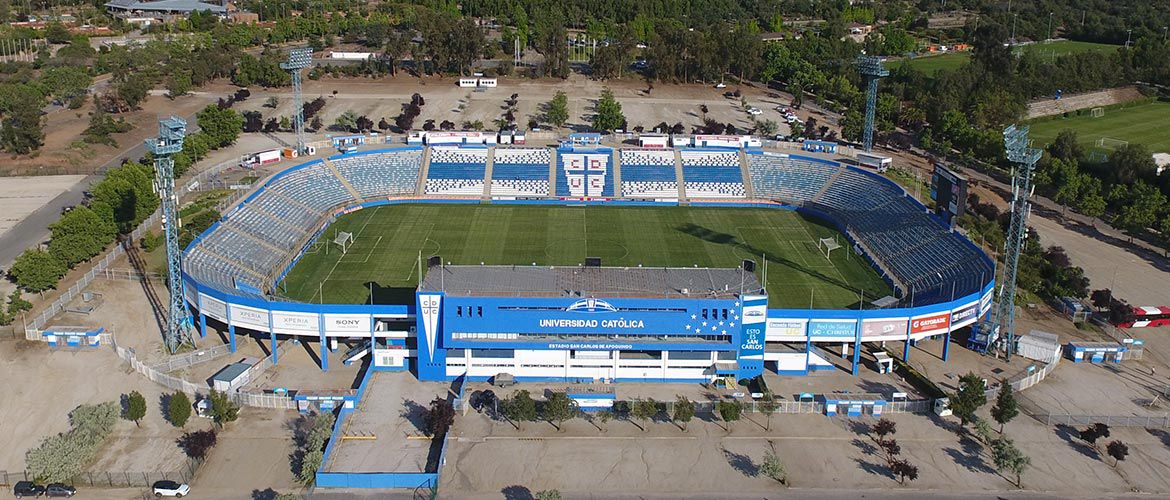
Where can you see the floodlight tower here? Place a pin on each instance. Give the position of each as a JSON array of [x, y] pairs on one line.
[[871, 70], [1015, 141], [170, 141], [298, 59]]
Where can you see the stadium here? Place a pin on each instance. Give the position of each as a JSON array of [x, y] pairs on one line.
[[459, 257]]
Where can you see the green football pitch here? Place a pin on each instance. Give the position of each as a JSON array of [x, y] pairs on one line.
[[1137, 124], [383, 258]]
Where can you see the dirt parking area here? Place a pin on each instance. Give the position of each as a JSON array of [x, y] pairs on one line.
[[20, 196], [387, 427]]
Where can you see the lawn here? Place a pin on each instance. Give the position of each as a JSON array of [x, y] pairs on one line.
[[388, 240], [1139, 124], [931, 64]]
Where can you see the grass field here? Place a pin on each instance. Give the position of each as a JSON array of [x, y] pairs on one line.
[[388, 239], [955, 60], [1138, 124]]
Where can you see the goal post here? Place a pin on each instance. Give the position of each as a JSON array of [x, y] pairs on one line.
[[827, 245], [1111, 143], [1097, 112], [343, 240]]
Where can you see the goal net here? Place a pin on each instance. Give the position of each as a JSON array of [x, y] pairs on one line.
[[827, 245], [343, 240], [1097, 112], [1110, 143]]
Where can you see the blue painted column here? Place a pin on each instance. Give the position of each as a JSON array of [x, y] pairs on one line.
[[857, 347], [231, 337], [946, 345], [202, 325], [906, 350], [324, 346], [807, 353], [272, 337], [374, 343]]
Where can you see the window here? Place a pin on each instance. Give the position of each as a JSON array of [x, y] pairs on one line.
[[459, 311], [479, 311], [704, 314], [726, 356]]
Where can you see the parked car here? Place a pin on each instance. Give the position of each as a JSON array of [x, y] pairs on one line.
[[720, 85], [755, 111], [60, 490], [170, 489], [27, 489]]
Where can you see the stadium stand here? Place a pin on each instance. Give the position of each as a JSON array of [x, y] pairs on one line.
[[712, 174], [788, 179], [381, 173], [457, 171], [576, 179], [520, 172], [648, 174]]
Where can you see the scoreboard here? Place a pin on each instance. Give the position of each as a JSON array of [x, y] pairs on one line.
[[948, 189]]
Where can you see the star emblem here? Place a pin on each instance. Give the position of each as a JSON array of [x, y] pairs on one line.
[[725, 332], [731, 324], [737, 303], [688, 327], [704, 323], [720, 323], [693, 316], [713, 327]]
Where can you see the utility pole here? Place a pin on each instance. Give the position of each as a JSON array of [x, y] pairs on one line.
[[1018, 152], [298, 59], [1127, 37], [1049, 26], [170, 141]]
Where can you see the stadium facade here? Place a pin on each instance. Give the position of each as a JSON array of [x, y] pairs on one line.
[[587, 323]]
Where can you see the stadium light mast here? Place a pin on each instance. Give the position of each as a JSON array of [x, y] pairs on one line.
[[871, 70], [170, 141], [298, 59], [1018, 152]]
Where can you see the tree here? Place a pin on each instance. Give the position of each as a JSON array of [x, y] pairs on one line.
[[66, 83], [519, 407], [558, 408], [346, 121], [439, 418], [969, 398], [904, 470], [57, 33], [1118, 450], [547, 495], [767, 128], [1009, 458], [557, 110], [135, 407], [644, 410], [22, 133], [1141, 208], [768, 407], [1005, 408], [684, 411], [80, 234], [884, 427], [729, 411], [197, 444], [609, 115], [604, 416], [178, 409], [271, 102], [773, 468], [316, 124], [222, 126], [223, 410], [133, 90], [1094, 432], [179, 83], [36, 270]]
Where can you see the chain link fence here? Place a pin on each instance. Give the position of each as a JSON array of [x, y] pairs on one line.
[[1148, 422], [116, 479], [192, 358]]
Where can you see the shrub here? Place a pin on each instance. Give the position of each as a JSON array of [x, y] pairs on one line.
[[179, 409], [62, 457], [197, 444]]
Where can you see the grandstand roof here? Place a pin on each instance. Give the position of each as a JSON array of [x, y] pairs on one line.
[[631, 282]]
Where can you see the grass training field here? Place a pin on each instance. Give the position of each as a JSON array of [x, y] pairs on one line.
[[1138, 124], [954, 60], [388, 239]]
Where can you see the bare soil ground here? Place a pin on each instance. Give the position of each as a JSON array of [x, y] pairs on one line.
[[20, 196]]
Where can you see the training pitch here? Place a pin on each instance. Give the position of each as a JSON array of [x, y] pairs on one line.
[[383, 258], [1137, 124]]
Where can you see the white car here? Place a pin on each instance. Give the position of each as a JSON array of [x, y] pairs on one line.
[[755, 111], [720, 85], [171, 489]]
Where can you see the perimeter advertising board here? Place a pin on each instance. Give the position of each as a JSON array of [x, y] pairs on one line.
[[214, 308], [832, 329], [884, 329], [249, 317], [783, 330], [343, 325], [964, 315], [294, 323], [923, 326]]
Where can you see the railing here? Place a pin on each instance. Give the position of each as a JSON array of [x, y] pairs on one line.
[[192, 358], [116, 479], [173, 383], [263, 400], [131, 275], [1148, 422]]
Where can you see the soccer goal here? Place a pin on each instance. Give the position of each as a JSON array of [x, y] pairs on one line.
[[1097, 112], [827, 245], [343, 240], [1111, 143]]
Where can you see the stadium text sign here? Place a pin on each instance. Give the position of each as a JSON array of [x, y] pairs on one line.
[[593, 323], [591, 347], [834, 329], [785, 327], [930, 323]]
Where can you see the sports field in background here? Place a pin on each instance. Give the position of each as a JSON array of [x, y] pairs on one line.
[[954, 60], [1138, 124], [388, 239]]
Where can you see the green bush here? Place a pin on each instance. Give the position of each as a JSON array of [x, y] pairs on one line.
[[179, 409], [64, 456]]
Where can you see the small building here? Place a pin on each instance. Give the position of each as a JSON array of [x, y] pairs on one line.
[[137, 8], [819, 146], [231, 377], [1039, 346], [1096, 352]]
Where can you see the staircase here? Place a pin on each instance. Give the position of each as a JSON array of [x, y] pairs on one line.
[[745, 171], [487, 173], [552, 173], [678, 175], [828, 183], [617, 173], [349, 187], [423, 168]]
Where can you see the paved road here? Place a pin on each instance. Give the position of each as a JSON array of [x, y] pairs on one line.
[[34, 228], [787, 494]]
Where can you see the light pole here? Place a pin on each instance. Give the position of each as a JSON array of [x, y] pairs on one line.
[[1164, 28], [1049, 26], [1127, 37], [1014, 29]]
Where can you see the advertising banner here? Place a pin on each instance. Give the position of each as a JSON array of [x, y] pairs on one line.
[[780, 329], [965, 315], [985, 301], [839, 329], [295, 322], [930, 323], [347, 324], [886, 328], [249, 317], [214, 308]]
